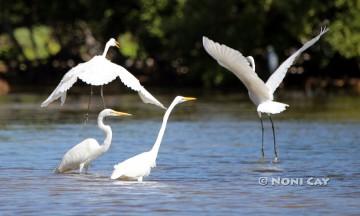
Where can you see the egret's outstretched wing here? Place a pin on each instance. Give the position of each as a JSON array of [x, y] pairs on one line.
[[132, 82], [65, 84], [235, 62], [277, 77], [99, 71]]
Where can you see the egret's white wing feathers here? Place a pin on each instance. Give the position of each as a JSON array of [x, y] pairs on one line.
[[65, 84], [133, 83], [146, 97], [277, 77], [82, 153], [134, 167], [235, 62], [99, 71]]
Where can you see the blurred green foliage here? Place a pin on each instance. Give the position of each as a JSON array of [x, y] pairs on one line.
[[162, 38]]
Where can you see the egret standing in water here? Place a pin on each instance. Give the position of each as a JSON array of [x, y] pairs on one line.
[[260, 93], [81, 155], [99, 71], [135, 168]]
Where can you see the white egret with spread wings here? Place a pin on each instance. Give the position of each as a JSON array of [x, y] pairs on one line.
[[260, 93], [99, 71]]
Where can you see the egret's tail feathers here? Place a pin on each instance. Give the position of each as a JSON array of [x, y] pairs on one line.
[[271, 107], [57, 170], [115, 175]]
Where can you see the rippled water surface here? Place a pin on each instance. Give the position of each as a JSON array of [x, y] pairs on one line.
[[208, 162]]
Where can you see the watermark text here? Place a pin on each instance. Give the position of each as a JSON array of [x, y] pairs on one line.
[[293, 181]]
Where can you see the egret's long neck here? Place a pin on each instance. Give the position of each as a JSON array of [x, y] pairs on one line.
[[107, 46], [155, 148], [108, 134]]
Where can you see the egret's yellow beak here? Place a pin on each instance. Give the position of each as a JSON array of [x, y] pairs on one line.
[[117, 44], [189, 98], [121, 113]]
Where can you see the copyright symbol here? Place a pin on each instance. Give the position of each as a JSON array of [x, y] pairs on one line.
[[263, 180]]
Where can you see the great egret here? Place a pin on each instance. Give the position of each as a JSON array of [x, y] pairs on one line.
[[81, 155], [260, 93], [135, 168], [99, 71]]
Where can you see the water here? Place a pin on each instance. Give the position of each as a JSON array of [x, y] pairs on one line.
[[208, 162]]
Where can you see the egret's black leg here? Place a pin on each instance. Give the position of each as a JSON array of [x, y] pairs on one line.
[[88, 108], [275, 148], [102, 96], [262, 138]]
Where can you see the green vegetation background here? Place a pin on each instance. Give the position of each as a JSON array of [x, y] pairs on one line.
[[161, 39]]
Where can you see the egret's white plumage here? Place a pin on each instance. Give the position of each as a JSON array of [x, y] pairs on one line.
[[135, 168], [260, 93], [277, 77], [81, 155], [99, 71], [244, 69]]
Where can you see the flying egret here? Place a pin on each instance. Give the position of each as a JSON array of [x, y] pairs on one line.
[[99, 71], [135, 168], [81, 155], [260, 93]]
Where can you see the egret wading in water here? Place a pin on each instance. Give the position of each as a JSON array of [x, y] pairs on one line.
[[81, 155], [260, 93], [99, 71], [135, 168]]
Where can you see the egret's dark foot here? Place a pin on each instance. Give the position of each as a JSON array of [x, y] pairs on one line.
[[276, 160]]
